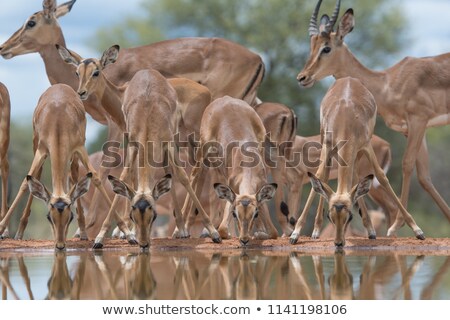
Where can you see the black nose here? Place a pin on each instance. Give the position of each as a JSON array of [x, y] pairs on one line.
[[339, 244], [82, 93], [244, 241], [301, 79]]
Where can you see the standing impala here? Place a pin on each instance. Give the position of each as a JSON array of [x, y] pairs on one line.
[[224, 67], [5, 109], [232, 126], [152, 116], [308, 150], [347, 113], [59, 124], [411, 96]]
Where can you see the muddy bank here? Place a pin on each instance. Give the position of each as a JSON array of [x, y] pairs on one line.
[[355, 245]]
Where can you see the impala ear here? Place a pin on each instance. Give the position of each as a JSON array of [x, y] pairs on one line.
[[37, 189], [64, 8], [362, 188], [80, 188], [324, 21], [49, 8], [121, 188], [320, 187], [162, 186], [68, 56], [110, 55], [345, 25], [266, 192], [224, 192]]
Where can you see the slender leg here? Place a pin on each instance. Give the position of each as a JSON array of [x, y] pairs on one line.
[[423, 174], [381, 197], [4, 171], [80, 213], [26, 212], [112, 212], [38, 161], [224, 225], [324, 155], [181, 174], [363, 212], [114, 134], [319, 214], [414, 140], [379, 173]]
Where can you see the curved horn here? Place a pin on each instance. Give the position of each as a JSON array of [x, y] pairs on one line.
[[313, 28], [334, 17]]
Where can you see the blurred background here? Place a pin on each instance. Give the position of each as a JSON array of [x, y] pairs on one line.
[[385, 32]]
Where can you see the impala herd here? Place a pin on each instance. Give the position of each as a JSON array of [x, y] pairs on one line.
[[189, 121]]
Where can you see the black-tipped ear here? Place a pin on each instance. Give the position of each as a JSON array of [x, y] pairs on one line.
[[362, 188], [266, 192], [64, 8], [224, 192], [346, 24], [320, 187], [110, 55], [37, 189], [68, 56], [121, 188], [49, 8], [162, 186], [81, 187]]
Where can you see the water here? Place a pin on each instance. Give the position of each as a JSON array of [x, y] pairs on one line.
[[227, 275]]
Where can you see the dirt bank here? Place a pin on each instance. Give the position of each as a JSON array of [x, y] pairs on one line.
[[431, 246]]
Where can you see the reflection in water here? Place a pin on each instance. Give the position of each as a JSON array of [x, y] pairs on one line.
[[229, 275]]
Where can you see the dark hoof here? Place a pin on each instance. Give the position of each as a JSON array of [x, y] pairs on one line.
[[204, 235], [372, 237], [420, 236], [293, 240], [97, 245], [132, 242], [217, 240]]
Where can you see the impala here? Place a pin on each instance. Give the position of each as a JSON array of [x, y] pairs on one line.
[[307, 150], [231, 124], [59, 124], [411, 96], [5, 109], [348, 113], [153, 110]]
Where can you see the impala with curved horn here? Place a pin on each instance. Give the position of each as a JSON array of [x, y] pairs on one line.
[[411, 96], [348, 113]]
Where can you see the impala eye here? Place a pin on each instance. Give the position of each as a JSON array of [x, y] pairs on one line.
[[78, 75], [96, 73], [326, 50], [31, 24], [255, 215], [234, 214]]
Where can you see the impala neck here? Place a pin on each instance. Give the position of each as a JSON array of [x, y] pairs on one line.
[[374, 81], [57, 70], [112, 100]]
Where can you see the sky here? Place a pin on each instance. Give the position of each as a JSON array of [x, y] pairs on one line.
[[25, 75]]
